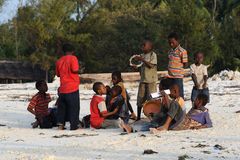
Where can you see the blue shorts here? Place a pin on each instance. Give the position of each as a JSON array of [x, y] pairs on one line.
[[196, 92]]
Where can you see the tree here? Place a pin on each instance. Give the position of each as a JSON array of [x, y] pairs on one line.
[[106, 33]]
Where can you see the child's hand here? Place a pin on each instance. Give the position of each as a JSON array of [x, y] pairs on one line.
[[112, 100], [115, 110], [197, 86], [139, 58], [204, 85], [162, 128], [165, 98], [134, 68], [154, 130]]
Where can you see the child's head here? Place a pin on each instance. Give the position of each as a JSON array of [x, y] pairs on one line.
[[198, 57], [147, 46], [173, 40], [200, 101], [99, 88], [116, 77], [174, 91], [116, 91], [68, 48], [41, 86]]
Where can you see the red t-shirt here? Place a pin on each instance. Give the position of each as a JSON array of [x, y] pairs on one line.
[[69, 81], [97, 106]]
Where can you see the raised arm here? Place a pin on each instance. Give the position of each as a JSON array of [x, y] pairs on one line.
[[75, 66], [151, 63]]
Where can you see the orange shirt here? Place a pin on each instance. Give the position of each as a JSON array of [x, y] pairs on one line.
[[124, 93], [177, 57], [69, 81]]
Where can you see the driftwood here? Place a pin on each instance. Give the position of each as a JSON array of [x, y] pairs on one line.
[[127, 76]]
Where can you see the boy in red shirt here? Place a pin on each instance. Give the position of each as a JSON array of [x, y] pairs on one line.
[[99, 111], [38, 106], [67, 68]]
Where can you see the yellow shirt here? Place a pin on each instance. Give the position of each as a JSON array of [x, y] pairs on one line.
[[181, 102], [124, 94]]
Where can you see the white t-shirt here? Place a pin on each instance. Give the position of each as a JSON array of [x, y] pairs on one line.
[[200, 71]]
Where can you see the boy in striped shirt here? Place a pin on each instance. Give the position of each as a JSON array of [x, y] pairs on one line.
[[178, 60], [38, 106]]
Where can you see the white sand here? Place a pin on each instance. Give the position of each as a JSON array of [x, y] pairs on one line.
[[19, 141]]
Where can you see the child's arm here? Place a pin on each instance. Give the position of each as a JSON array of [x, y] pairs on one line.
[[194, 78], [31, 108], [205, 78], [148, 64], [107, 114], [75, 66], [184, 57], [208, 120], [165, 99], [32, 105], [166, 124]]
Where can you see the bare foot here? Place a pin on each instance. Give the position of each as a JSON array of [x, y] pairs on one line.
[[127, 128], [61, 127], [133, 116], [157, 130], [153, 131]]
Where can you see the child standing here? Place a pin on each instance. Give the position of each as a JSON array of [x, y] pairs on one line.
[[99, 111], [199, 77], [67, 68], [148, 75], [38, 106], [178, 59], [118, 81]]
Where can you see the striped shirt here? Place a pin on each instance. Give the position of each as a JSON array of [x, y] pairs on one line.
[[39, 103], [177, 57]]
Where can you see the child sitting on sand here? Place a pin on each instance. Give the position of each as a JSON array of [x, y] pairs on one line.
[[171, 115], [198, 117], [117, 101], [38, 106], [98, 109], [118, 81]]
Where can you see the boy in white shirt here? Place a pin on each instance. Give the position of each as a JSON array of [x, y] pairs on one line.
[[199, 76]]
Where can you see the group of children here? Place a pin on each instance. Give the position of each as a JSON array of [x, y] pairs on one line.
[[110, 107]]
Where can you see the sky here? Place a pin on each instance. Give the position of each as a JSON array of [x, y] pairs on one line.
[[9, 10]]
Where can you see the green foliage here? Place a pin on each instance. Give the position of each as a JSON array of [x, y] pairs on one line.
[[106, 33]]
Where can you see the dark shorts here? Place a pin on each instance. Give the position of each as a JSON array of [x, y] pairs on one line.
[[196, 92], [48, 121]]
